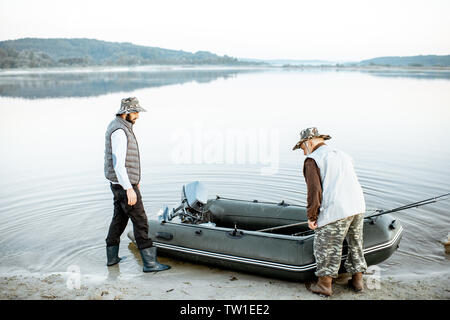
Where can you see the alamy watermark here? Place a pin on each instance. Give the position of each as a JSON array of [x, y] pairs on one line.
[[74, 279], [373, 277], [254, 146]]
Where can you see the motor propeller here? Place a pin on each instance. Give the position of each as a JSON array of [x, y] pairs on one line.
[[193, 198]]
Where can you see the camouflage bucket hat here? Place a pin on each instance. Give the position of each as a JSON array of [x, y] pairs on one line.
[[130, 105], [308, 134]]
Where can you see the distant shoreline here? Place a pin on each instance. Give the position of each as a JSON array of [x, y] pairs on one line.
[[83, 52], [159, 68], [369, 67], [137, 68]]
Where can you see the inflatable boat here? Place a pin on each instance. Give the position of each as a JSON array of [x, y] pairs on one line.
[[265, 238]]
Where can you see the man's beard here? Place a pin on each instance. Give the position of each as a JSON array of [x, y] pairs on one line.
[[128, 118]]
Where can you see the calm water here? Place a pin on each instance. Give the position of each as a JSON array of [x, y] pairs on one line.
[[234, 130]]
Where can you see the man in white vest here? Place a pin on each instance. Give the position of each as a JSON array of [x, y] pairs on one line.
[[335, 210]]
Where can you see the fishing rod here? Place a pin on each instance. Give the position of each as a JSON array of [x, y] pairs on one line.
[[379, 212], [409, 206], [283, 226]]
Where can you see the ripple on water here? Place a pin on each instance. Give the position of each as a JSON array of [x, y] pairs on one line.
[[54, 216]]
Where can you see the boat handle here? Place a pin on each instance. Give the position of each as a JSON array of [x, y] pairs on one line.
[[392, 225], [235, 233]]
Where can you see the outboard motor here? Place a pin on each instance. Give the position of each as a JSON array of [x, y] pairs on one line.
[[193, 197]]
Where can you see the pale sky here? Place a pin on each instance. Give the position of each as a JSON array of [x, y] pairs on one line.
[[344, 30]]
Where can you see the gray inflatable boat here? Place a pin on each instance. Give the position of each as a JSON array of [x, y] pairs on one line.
[[270, 239]]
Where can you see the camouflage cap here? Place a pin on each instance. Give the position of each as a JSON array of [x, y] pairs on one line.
[[308, 134], [130, 105]]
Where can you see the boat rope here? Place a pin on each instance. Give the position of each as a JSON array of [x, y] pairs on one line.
[[281, 203]]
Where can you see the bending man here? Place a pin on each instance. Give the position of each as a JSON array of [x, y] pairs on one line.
[[335, 210]]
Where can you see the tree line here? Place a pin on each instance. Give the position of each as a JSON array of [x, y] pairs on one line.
[[35, 53]]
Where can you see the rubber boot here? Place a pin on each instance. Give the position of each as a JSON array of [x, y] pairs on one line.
[[149, 260], [112, 255], [323, 286], [356, 283]]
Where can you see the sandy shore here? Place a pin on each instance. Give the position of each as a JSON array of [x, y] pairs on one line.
[[188, 281]]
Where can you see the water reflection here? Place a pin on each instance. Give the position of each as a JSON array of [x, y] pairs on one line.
[[417, 74], [90, 84], [85, 83]]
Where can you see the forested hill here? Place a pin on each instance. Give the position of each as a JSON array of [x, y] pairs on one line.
[[35, 52], [411, 61]]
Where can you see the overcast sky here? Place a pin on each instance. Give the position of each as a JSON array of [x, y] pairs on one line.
[[341, 30]]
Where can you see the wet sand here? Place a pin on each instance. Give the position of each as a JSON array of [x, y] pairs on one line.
[[198, 282]]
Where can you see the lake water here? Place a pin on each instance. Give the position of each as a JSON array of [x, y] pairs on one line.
[[232, 129]]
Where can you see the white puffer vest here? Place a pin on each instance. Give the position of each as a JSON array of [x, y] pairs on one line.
[[342, 195]]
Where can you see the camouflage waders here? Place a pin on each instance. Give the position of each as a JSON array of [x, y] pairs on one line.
[[328, 246]]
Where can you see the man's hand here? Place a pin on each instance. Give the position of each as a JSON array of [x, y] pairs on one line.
[[132, 197], [312, 224]]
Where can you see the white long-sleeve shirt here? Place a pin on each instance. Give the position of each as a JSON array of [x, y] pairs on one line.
[[119, 153]]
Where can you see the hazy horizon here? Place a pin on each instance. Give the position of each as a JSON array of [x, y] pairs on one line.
[[348, 30]]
